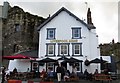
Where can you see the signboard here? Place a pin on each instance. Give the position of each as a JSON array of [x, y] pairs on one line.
[[63, 41]]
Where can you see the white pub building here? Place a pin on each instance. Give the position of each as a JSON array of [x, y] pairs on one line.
[[64, 34]]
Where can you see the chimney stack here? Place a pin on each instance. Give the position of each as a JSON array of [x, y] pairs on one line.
[[89, 18]]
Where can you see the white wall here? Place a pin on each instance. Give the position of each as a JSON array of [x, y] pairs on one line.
[[1, 11], [22, 65], [63, 24]]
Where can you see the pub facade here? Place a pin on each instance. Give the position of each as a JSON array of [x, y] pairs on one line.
[[64, 35]]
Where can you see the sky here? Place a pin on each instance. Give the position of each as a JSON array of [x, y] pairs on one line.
[[104, 13]]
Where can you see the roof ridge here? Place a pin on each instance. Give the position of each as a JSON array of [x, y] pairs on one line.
[[55, 14]]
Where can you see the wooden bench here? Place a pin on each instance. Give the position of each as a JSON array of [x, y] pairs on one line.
[[102, 77]]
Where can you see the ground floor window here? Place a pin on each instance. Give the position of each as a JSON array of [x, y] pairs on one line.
[[50, 66], [77, 64], [35, 66]]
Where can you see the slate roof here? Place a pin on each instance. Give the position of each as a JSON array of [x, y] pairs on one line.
[[71, 14]]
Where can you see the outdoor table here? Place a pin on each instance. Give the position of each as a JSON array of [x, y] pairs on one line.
[[14, 81], [102, 77]]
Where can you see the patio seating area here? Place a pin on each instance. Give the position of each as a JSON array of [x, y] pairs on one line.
[[21, 75]]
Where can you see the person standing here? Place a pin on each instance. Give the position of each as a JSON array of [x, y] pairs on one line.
[[43, 74], [3, 75], [74, 70], [59, 70]]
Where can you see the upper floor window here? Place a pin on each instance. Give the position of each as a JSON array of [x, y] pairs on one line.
[[50, 49], [50, 33], [77, 49], [76, 33]]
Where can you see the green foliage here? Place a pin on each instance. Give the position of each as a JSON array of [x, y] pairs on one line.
[[109, 49]]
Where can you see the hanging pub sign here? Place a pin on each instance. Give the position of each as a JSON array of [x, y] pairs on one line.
[[87, 62]]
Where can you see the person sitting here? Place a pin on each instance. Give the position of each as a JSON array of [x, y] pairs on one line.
[[86, 74], [15, 70], [43, 74], [106, 71], [50, 74], [66, 76], [28, 70], [96, 71]]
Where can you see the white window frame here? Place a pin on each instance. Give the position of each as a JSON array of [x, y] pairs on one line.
[[50, 49], [48, 33], [63, 49], [76, 49], [78, 33]]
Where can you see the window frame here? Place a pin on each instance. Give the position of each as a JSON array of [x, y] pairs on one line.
[[47, 49], [48, 33], [59, 49], [79, 32], [50, 65], [73, 49]]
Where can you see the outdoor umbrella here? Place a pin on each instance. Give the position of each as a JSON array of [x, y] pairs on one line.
[[72, 60], [63, 58], [97, 61], [46, 60], [18, 56]]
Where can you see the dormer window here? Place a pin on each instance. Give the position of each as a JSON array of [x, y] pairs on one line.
[[76, 33], [50, 33]]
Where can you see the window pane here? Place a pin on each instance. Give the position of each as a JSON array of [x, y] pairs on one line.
[[50, 33], [77, 49], [50, 66], [76, 33], [64, 49], [50, 49], [77, 66]]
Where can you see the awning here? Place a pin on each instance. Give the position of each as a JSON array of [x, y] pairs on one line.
[[18, 56]]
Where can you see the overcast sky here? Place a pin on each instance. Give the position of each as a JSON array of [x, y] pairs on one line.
[[104, 13]]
